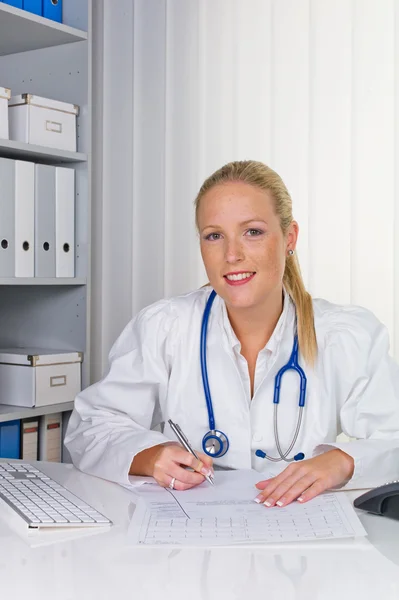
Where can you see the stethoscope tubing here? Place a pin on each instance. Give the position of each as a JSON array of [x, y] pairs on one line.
[[204, 368], [292, 364]]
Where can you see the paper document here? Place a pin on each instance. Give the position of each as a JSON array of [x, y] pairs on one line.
[[226, 514]]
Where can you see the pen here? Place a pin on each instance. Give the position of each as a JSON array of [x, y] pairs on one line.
[[185, 443]]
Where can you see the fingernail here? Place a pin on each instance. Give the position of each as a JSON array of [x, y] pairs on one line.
[[269, 502], [300, 499], [207, 472], [258, 499], [281, 502]]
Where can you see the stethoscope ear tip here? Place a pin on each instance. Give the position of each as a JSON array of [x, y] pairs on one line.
[[260, 454], [299, 456]]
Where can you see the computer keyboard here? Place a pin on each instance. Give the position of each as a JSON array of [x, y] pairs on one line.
[[42, 502]]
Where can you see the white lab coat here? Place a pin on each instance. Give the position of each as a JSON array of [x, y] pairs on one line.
[[155, 375]]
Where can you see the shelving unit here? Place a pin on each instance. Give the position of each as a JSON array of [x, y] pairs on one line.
[[42, 281], [53, 60], [21, 31], [9, 413], [42, 154]]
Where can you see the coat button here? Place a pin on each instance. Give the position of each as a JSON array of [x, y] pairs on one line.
[[257, 437]]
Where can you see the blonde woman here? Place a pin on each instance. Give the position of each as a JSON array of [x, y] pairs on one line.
[[259, 319]]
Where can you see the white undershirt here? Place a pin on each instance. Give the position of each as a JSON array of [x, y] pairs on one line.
[[265, 355]]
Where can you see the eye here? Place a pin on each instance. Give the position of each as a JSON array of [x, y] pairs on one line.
[[213, 237], [254, 232]]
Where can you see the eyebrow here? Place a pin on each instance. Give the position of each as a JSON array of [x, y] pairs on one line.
[[242, 223]]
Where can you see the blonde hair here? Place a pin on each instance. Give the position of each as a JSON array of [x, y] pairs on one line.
[[263, 177]]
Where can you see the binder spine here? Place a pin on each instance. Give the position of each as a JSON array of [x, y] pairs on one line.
[[44, 221], [7, 218], [33, 6], [52, 9], [65, 222], [50, 437], [24, 219], [30, 439], [10, 433], [15, 3]]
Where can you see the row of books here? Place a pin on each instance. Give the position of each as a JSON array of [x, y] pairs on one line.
[[34, 438]]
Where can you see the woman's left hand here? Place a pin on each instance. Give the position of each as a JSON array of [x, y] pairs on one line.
[[304, 480]]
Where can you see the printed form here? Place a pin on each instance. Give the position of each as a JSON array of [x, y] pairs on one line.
[[226, 514]]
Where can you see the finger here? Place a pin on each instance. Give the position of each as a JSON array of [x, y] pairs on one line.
[[314, 490], [262, 484], [205, 459], [285, 494], [164, 481], [181, 486], [274, 481], [183, 475], [179, 455], [170, 466], [279, 485], [198, 465], [269, 485], [163, 474]]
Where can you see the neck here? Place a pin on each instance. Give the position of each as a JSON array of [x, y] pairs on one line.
[[255, 325]]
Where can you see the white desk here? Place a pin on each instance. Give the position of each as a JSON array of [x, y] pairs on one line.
[[103, 566]]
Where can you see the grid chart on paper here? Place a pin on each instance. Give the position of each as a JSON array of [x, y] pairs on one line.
[[272, 525]]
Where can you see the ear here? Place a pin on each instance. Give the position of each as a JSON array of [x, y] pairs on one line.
[[291, 237]]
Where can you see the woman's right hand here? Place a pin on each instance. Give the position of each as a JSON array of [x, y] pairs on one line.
[[168, 461]]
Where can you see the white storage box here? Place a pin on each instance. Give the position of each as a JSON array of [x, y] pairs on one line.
[[5, 94], [37, 120], [39, 377]]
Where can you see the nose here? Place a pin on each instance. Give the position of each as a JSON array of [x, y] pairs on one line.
[[233, 251]]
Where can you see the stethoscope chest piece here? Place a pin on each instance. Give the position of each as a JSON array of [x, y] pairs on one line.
[[215, 443]]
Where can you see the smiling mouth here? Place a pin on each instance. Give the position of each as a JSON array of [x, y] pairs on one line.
[[239, 278]]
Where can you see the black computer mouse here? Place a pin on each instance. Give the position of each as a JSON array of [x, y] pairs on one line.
[[383, 500]]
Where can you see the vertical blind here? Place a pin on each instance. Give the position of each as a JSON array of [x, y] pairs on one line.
[[309, 87]]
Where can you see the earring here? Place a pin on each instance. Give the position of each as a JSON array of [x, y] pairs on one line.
[[290, 252]]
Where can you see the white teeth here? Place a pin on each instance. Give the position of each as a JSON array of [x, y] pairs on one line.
[[239, 276]]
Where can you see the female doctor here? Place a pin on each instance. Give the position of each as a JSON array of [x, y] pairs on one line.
[[233, 399]]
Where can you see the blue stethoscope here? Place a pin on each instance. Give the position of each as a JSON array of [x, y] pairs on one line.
[[215, 443]]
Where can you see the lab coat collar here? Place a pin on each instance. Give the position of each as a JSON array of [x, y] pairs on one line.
[[274, 341]]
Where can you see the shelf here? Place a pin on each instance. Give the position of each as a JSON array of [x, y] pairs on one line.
[[9, 413], [21, 31], [42, 281], [22, 151]]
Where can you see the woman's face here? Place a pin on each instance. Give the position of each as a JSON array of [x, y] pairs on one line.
[[242, 244]]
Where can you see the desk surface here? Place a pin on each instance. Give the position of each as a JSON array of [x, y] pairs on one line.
[[103, 565]]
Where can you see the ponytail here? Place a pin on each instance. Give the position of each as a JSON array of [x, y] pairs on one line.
[[294, 286]]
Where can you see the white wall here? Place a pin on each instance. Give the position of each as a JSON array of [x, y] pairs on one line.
[[307, 86]]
